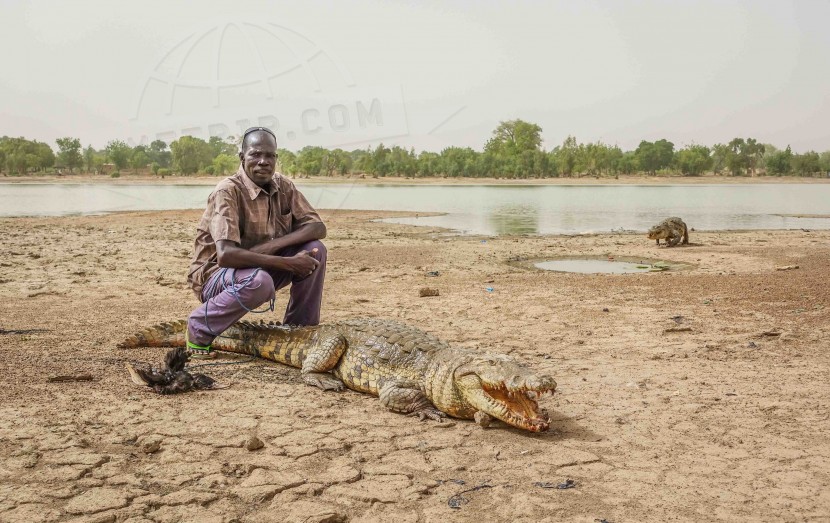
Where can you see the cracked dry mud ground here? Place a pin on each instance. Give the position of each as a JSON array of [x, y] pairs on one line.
[[720, 422]]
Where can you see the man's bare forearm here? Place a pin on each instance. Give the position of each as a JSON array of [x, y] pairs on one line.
[[232, 256], [306, 233]]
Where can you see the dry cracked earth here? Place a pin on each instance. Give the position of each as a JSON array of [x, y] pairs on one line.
[[693, 395]]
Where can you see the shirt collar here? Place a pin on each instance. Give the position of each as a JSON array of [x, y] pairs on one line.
[[254, 189]]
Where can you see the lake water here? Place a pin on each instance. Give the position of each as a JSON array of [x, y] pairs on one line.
[[479, 209]]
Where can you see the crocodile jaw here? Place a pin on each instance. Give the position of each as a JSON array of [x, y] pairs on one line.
[[516, 406]]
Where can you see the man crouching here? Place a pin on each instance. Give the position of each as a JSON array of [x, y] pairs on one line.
[[257, 235]]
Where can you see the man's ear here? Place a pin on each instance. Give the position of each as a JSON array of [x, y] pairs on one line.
[[241, 157]]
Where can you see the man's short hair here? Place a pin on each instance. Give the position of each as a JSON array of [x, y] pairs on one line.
[[252, 130]]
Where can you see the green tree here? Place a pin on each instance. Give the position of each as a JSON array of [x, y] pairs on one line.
[[191, 154], [16, 163], [779, 162], [647, 157], [219, 146], [694, 160], [567, 155], [69, 153], [160, 154], [225, 164], [360, 160], [89, 158], [742, 155], [336, 161], [513, 137], [458, 161], [429, 164], [806, 164], [655, 156], [44, 156], [139, 158], [310, 160], [824, 161], [287, 162], [627, 164], [596, 158], [754, 153], [98, 162], [769, 150], [402, 162], [377, 163], [22, 155], [118, 152]]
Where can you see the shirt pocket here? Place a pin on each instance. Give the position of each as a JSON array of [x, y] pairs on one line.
[[284, 221]]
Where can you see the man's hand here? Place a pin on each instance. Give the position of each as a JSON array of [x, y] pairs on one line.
[[302, 264]]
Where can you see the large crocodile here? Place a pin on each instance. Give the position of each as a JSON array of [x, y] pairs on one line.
[[411, 371]]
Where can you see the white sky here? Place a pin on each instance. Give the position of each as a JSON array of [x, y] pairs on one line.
[[439, 73]]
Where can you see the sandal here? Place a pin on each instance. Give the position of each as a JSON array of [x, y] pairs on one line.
[[199, 352]]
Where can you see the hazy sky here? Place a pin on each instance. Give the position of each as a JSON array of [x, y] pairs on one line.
[[418, 74]]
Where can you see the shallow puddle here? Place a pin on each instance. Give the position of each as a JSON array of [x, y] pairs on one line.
[[587, 265]]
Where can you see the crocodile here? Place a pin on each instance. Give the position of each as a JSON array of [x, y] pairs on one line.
[[672, 230], [412, 372]]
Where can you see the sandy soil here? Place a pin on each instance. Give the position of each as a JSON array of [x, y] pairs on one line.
[[726, 420]]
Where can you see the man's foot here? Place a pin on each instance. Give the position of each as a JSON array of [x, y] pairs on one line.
[[202, 354], [198, 352]]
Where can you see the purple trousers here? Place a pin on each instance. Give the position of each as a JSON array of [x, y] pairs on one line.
[[229, 294]]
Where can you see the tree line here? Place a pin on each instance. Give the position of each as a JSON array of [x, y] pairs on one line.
[[513, 151]]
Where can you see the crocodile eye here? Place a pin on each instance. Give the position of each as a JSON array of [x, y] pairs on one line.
[[492, 363]]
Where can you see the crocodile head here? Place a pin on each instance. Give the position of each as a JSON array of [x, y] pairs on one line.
[[658, 232], [501, 387]]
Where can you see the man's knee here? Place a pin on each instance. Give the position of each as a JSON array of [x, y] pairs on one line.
[[320, 255], [259, 289]]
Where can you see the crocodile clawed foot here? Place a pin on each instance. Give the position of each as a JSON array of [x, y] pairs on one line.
[[323, 381], [429, 413]]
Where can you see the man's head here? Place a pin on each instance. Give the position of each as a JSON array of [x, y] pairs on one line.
[[259, 155]]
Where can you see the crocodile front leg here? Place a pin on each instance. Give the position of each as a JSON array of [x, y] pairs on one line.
[[321, 358], [406, 397]]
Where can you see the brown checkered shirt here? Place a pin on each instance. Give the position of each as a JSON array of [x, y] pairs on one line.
[[242, 212]]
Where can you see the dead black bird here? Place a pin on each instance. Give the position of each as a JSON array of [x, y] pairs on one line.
[[172, 378]]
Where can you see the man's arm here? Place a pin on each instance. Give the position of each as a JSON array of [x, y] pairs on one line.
[[230, 255], [306, 233]]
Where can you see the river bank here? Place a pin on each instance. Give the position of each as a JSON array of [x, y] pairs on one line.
[[696, 395], [392, 180]]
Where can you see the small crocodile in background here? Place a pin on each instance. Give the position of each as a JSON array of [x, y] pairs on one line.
[[672, 230], [412, 372]]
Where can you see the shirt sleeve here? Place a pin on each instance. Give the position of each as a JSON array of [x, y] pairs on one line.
[[224, 224], [301, 211]]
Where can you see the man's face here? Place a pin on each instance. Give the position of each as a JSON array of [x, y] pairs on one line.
[[259, 157]]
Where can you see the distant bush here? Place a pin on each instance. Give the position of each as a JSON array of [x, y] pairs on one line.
[[163, 172], [155, 167], [115, 174], [209, 170]]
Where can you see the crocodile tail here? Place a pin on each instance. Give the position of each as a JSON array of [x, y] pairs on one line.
[[243, 337], [169, 334]]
